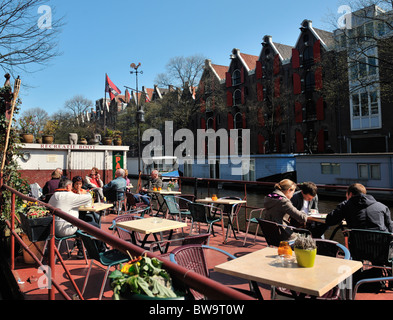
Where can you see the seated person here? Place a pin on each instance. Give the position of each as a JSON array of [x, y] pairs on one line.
[[305, 200], [361, 211], [115, 190], [51, 185], [154, 182], [93, 182], [77, 183], [278, 205], [69, 202], [129, 184]]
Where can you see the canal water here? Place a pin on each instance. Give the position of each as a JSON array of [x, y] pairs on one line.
[[256, 198]]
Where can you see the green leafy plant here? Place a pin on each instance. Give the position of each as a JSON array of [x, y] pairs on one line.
[[27, 124], [50, 127], [305, 242], [142, 275]]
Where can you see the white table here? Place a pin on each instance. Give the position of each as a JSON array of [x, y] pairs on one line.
[[261, 266]]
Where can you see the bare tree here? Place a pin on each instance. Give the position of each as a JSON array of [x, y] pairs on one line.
[[78, 105], [181, 71], [28, 34]]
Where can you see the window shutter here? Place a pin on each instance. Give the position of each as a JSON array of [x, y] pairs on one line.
[[215, 124], [229, 99], [258, 70], [261, 118], [276, 64], [228, 78], [321, 140], [259, 91], [203, 106], [277, 87], [203, 123], [299, 142], [318, 79], [297, 84], [244, 120], [230, 121], [298, 112], [320, 109], [243, 96], [261, 144], [295, 58], [242, 75], [317, 51]]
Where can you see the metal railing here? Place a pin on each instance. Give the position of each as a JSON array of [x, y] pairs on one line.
[[209, 287]]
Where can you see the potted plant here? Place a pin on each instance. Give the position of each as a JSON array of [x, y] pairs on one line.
[[108, 137], [36, 221], [143, 278], [49, 130], [26, 126], [117, 138], [305, 250]]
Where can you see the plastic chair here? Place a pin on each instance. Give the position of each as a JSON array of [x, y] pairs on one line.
[[108, 258], [60, 240], [252, 219], [131, 203], [203, 213], [192, 257], [374, 249], [274, 232], [184, 200], [120, 205], [174, 208], [326, 248], [202, 238]]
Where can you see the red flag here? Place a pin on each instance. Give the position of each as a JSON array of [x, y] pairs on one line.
[[111, 88]]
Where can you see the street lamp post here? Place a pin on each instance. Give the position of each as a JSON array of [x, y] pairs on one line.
[[140, 115]]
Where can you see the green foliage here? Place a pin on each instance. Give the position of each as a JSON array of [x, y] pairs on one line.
[[142, 276], [11, 175]]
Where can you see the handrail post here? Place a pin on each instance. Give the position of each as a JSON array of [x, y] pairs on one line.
[[12, 228], [51, 290]]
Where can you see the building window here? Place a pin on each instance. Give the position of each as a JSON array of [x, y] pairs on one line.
[[236, 77], [330, 168], [365, 108], [369, 171], [237, 97]]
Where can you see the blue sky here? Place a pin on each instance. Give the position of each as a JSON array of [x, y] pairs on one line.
[[102, 37]]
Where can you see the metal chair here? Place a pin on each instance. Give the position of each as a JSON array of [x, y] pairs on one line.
[[374, 249], [60, 240], [131, 203], [274, 232], [192, 257], [203, 213], [202, 238], [326, 248], [174, 208], [233, 210], [253, 219], [184, 200], [108, 258]]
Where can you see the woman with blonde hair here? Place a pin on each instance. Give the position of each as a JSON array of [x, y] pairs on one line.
[[278, 205]]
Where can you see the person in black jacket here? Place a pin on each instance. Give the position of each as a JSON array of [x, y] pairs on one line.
[[361, 211], [306, 199]]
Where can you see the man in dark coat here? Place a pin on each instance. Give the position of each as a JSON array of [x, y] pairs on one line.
[[361, 211]]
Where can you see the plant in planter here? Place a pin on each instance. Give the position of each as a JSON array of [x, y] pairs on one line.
[[36, 221], [142, 278], [50, 129], [117, 138], [305, 250], [27, 127]]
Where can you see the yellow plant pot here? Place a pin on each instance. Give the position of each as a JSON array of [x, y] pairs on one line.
[[305, 258]]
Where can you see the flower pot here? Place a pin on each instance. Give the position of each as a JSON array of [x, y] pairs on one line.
[[83, 141], [47, 139], [28, 259], [27, 137], [305, 258], [117, 142], [37, 229], [107, 141]]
